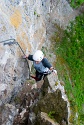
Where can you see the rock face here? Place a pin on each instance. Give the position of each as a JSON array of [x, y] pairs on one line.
[[7, 114], [42, 107], [27, 22], [22, 20], [54, 104]]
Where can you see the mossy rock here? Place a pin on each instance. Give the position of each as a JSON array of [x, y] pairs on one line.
[[53, 102]]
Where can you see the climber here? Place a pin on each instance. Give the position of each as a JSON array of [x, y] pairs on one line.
[[41, 65]]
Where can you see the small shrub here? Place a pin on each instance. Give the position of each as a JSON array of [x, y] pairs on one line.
[[51, 114], [76, 3]]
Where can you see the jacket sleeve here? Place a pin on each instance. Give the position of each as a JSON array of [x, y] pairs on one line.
[[30, 57], [46, 63]]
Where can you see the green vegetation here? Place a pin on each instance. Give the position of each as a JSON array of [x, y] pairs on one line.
[[17, 100], [76, 3], [35, 13], [51, 114], [70, 65]]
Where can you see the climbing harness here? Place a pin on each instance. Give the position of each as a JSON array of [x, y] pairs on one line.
[[45, 73], [13, 41]]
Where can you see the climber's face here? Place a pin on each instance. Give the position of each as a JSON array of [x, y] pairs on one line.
[[37, 62]]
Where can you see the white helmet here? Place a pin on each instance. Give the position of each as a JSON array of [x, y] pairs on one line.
[[38, 55]]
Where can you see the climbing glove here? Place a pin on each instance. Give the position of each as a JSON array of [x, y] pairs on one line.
[[55, 71], [24, 57]]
